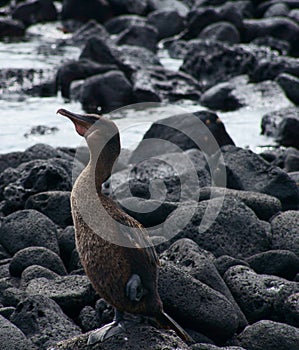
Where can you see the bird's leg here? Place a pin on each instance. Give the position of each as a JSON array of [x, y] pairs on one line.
[[109, 330], [134, 288]]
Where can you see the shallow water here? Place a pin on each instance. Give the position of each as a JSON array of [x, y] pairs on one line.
[[20, 113]]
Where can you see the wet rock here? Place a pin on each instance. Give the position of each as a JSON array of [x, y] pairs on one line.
[[263, 205], [128, 58], [185, 131], [285, 231], [224, 262], [282, 46], [137, 337], [259, 296], [108, 91], [221, 97], [16, 185], [36, 271], [199, 264], [250, 172], [158, 84], [41, 130], [43, 321], [80, 10], [282, 263], [34, 11], [77, 70], [290, 85], [221, 31], [279, 9], [36, 256], [168, 23], [91, 29], [27, 228], [118, 24], [139, 7], [239, 232], [66, 241], [294, 15], [216, 63], [267, 335], [195, 305], [9, 160], [139, 35], [291, 162], [54, 204], [11, 337], [72, 293], [11, 28], [166, 5], [278, 27], [271, 121]]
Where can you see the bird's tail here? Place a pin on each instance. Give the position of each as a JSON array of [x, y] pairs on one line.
[[166, 322]]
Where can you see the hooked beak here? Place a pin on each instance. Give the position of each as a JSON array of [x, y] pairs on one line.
[[82, 122]]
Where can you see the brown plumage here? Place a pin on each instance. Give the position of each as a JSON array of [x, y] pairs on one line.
[[112, 246]]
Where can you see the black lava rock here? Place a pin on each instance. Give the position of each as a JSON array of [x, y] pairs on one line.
[[11, 28], [43, 321], [66, 241], [259, 296], [26, 228], [54, 204], [118, 24], [195, 305], [282, 263], [36, 271], [11, 337], [224, 262], [36, 256], [268, 335], [221, 31], [290, 85], [250, 172], [71, 292], [285, 231], [235, 231]]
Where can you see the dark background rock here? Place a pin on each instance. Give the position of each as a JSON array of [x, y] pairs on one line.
[[54, 204], [36, 256], [27, 228]]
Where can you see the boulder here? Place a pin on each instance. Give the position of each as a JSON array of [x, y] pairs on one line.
[[290, 85], [221, 97], [9, 160], [282, 46], [88, 319], [35, 11], [36, 256], [224, 262], [109, 91], [43, 321], [54, 204], [285, 231], [288, 131], [223, 226], [139, 7], [278, 27], [291, 309], [202, 130], [66, 241], [84, 11], [195, 305], [16, 185], [250, 172], [278, 9], [139, 35], [282, 263], [158, 84], [11, 337], [259, 296], [118, 24], [267, 335], [26, 228], [77, 70], [291, 162], [36, 271], [91, 29], [263, 205], [11, 28], [71, 292], [221, 31], [167, 22]]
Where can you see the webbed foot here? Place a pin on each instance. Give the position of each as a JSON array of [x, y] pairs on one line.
[[105, 332]]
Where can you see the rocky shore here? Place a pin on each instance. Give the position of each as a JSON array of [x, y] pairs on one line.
[[234, 284]]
